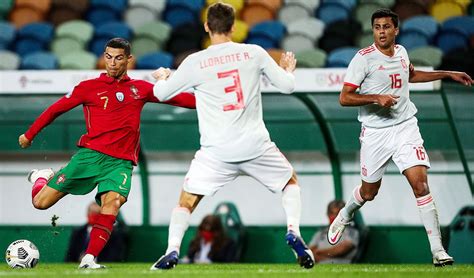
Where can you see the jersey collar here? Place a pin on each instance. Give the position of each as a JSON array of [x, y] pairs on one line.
[[107, 79]]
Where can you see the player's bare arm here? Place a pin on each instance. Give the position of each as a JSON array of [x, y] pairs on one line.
[[425, 76], [288, 61], [349, 97], [24, 142]]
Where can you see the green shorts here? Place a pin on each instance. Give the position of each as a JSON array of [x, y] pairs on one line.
[[88, 169]]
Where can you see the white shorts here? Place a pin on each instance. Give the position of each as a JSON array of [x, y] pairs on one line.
[[207, 175], [402, 143]]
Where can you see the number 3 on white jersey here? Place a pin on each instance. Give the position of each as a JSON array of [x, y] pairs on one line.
[[235, 88]]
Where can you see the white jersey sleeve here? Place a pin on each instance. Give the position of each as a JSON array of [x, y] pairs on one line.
[[357, 71], [181, 80], [278, 77]]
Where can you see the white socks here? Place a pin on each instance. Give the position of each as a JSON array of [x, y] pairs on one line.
[[354, 203], [291, 199], [429, 217], [179, 223]]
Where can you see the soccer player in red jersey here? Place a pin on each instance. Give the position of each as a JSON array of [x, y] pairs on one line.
[[112, 105]]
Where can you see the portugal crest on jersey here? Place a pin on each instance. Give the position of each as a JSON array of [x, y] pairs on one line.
[[119, 96]]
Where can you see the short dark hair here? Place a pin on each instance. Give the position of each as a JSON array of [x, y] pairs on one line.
[[119, 43], [220, 18], [339, 204], [385, 13]]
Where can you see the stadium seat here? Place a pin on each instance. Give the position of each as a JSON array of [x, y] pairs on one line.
[[451, 40], [185, 37], [5, 7], [156, 6], [293, 12], [78, 29], [311, 58], [256, 13], [39, 61], [262, 41], [311, 27], [33, 37], [381, 3], [365, 39], [106, 32], [296, 43], [310, 5], [159, 31], [442, 10], [155, 60], [241, 30], [116, 5], [62, 45], [144, 45], [461, 24], [363, 13], [60, 15], [341, 57], [429, 56], [330, 12], [42, 6], [138, 15], [408, 8], [7, 34], [424, 24], [22, 16], [78, 60], [99, 16], [273, 5], [347, 29], [10, 60], [413, 39], [180, 15], [80, 6], [273, 30]]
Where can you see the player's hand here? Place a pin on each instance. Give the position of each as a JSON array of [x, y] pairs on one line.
[[288, 61], [24, 142], [387, 100], [461, 77], [161, 73]]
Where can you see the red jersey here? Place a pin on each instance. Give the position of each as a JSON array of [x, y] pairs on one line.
[[112, 110]]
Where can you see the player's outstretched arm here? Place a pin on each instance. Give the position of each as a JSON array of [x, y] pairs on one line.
[[425, 76], [349, 97], [288, 61]]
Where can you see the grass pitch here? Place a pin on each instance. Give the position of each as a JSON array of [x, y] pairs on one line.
[[244, 270]]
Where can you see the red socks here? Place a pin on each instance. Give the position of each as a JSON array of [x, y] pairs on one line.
[[100, 234], [39, 184]]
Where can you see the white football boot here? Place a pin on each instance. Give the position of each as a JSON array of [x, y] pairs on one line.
[[441, 258], [43, 173], [336, 229], [89, 262]]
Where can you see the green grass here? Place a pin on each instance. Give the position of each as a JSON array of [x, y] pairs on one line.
[[244, 270]]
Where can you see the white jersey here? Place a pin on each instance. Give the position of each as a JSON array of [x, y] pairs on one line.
[[226, 82], [379, 74]]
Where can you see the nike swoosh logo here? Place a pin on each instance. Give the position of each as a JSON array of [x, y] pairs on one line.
[[101, 93], [335, 236], [122, 188], [101, 237]]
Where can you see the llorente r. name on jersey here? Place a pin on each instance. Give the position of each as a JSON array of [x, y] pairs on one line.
[[376, 73]]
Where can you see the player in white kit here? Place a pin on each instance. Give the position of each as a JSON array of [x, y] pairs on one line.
[[389, 126], [234, 140]]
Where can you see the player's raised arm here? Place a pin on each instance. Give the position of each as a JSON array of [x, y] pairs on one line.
[[61, 106], [281, 76]]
